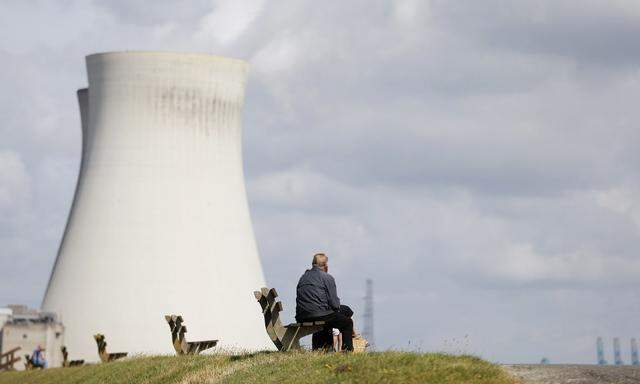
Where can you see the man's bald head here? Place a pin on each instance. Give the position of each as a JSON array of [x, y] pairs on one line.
[[320, 260]]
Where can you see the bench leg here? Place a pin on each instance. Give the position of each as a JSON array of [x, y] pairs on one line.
[[291, 339]]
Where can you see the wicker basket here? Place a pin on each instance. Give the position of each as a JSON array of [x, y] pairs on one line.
[[359, 344]]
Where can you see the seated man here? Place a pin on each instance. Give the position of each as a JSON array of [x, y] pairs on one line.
[[38, 359], [317, 300]]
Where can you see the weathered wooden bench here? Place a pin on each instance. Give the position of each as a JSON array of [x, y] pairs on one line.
[[285, 337], [180, 344], [8, 359], [65, 359], [102, 350]]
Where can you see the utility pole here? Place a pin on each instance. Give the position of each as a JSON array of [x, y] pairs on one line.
[[367, 332]]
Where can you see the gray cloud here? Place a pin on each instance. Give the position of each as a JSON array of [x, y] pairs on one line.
[[591, 33]]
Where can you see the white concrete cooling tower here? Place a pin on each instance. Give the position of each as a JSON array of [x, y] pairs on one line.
[[160, 222]]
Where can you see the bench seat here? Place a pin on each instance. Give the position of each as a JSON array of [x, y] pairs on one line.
[[305, 324]]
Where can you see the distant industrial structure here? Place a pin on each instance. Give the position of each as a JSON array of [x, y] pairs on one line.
[[27, 329], [367, 331], [617, 357], [634, 352], [600, 351], [617, 351]]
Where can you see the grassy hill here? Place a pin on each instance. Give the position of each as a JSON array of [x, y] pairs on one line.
[[272, 367]]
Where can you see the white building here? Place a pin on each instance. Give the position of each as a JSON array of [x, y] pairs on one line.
[[5, 314], [28, 328], [160, 222]]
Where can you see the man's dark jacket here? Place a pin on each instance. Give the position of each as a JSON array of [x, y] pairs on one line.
[[316, 295]]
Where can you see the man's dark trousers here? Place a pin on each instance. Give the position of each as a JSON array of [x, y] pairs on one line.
[[340, 320]]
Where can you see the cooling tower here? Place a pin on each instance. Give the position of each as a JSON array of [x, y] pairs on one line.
[[160, 222]]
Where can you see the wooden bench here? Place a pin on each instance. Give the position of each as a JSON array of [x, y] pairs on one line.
[[65, 359], [8, 359], [102, 350], [180, 344], [285, 338]]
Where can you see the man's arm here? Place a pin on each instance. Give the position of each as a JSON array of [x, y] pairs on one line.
[[332, 292]]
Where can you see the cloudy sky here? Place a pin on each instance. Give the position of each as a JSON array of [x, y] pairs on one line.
[[478, 160]]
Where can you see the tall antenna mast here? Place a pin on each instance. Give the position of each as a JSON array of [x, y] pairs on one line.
[[634, 352], [367, 332]]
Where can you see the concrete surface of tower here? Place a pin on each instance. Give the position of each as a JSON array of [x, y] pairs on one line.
[[160, 222]]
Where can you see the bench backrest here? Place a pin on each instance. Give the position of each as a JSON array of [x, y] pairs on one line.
[[102, 343], [271, 309], [177, 332], [65, 355]]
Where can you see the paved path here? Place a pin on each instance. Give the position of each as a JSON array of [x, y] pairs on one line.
[[575, 374]]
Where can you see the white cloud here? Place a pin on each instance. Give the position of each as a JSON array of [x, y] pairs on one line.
[[277, 55], [624, 199], [15, 182], [302, 189], [410, 12], [229, 20]]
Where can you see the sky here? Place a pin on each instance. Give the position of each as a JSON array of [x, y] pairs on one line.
[[478, 160]]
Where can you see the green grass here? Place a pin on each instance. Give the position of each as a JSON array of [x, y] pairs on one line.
[[266, 367]]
